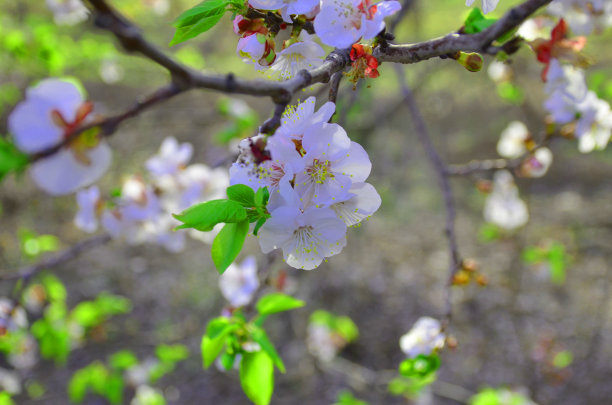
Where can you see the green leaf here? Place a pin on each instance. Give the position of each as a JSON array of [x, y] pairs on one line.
[[257, 377], [261, 198], [11, 159], [227, 360], [5, 398], [556, 261], [205, 216], [346, 328], [78, 385], [420, 366], [203, 24], [228, 244], [563, 359], [213, 344], [113, 389], [122, 360], [259, 335], [277, 302], [241, 194], [477, 22], [171, 353], [260, 222]]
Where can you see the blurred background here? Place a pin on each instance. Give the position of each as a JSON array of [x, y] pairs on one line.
[[540, 326]]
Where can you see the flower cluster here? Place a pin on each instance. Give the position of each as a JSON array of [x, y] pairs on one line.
[[142, 211], [51, 112], [316, 179], [583, 16], [337, 23], [570, 101]]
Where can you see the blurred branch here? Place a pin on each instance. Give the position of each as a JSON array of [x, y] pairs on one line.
[[443, 182], [59, 258]]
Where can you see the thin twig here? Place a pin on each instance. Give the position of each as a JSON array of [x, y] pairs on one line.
[[26, 273], [334, 85], [443, 182]]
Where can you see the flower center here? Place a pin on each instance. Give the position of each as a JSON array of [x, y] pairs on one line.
[[87, 140], [320, 171]]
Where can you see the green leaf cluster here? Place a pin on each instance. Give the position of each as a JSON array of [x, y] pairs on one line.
[[243, 206], [202, 17], [5, 398], [226, 338], [409, 387], [34, 245], [476, 22], [98, 379], [553, 255], [420, 366], [341, 325], [347, 398]]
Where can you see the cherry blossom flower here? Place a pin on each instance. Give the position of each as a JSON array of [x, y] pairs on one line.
[[306, 237], [68, 12], [90, 204], [171, 158], [286, 7], [499, 72], [533, 28], [298, 55], [296, 119], [341, 23], [503, 206], [239, 282], [322, 342], [364, 203], [425, 337], [332, 164], [566, 87], [594, 127], [513, 140], [52, 110]]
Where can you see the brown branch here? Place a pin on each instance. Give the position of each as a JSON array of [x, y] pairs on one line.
[[439, 167], [454, 42], [26, 273]]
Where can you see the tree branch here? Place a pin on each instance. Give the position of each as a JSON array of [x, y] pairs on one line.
[[443, 182]]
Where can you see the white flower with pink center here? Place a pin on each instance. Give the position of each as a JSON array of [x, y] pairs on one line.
[[239, 282], [341, 23], [52, 110], [303, 54], [306, 237], [332, 163]]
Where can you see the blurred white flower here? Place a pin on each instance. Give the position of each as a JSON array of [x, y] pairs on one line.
[[111, 71], [171, 158], [322, 342], [512, 142], [537, 164], [52, 110], [239, 282], [68, 12], [503, 206], [487, 5], [425, 337], [594, 127], [146, 395], [88, 201]]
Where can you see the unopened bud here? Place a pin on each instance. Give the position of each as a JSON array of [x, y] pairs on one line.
[[471, 61], [451, 342], [482, 280], [461, 278], [469, 265]]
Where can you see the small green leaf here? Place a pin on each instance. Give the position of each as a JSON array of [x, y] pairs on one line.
[[420, 366], [563, 359], [257, 377], [78, 385], [113, 389], [11, 159], [259, 335], [277, 302], [212, 346], [261, 198], [346, 328], [184, 33], [556, 261], [228, 244], [122, 360], [241, 194], [227, 360], [171, 353], [205, 216], [260, 222]]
